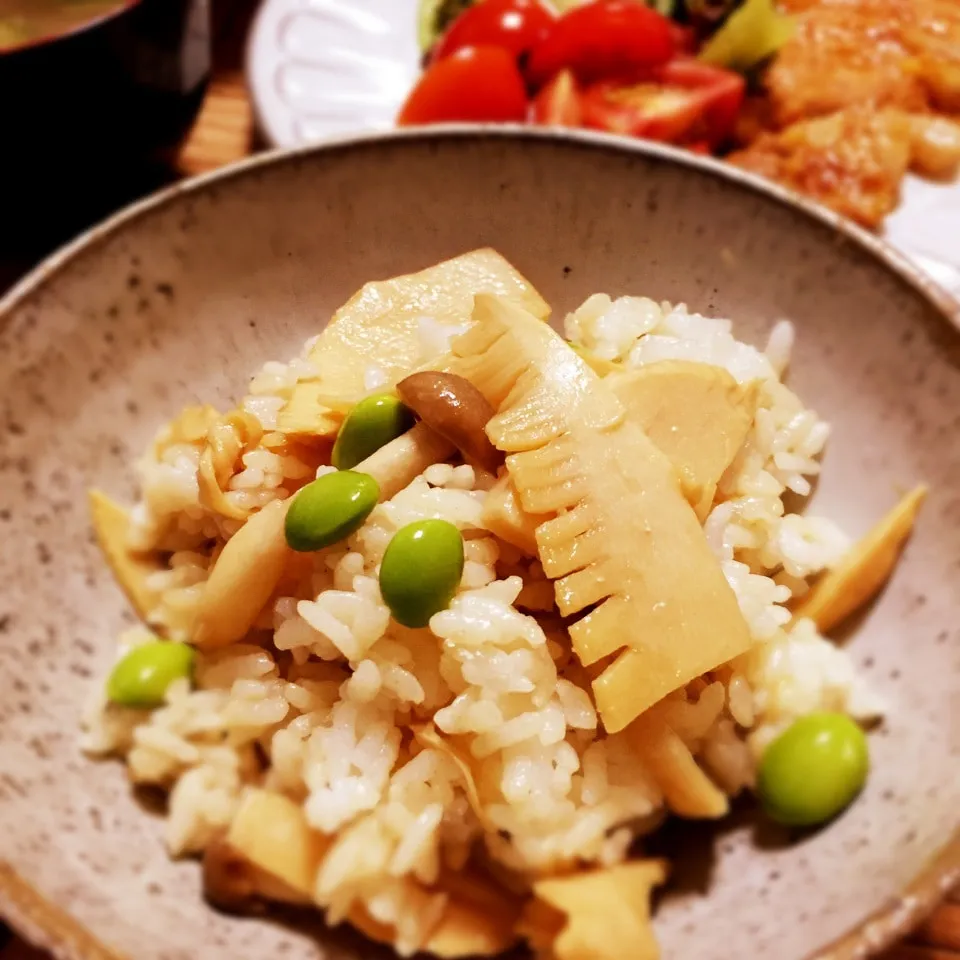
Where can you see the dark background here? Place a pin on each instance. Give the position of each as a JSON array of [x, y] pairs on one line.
[[223, 132]]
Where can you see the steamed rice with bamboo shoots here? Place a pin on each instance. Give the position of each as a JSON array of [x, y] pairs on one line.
[[441, 692]]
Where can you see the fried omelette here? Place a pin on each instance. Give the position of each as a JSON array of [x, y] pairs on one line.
[[862, 92]]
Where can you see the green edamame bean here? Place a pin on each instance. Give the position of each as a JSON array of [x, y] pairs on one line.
[[421, 570], [370, 425], [142, 677], [813, 770], [330, 509]]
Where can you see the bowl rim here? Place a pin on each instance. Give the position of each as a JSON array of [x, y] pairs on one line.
[[50, 926], [895, 261]]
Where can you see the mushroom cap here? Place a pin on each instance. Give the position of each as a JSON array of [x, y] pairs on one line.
[[454, 408]]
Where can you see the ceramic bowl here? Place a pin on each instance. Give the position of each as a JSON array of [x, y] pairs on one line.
[[183, 296]]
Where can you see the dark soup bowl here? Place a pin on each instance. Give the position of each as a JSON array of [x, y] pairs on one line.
[[89, 95]]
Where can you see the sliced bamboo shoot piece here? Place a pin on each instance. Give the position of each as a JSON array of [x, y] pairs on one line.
[[503, 516], [271, 831], [190, 426], [391, 328], [624, 540], [468, 930], [532, 378], [696, 414], [131, 570], [305, 414], [243, 578], [429, 736], [231, 881], [226, 441], [212, 495], [600, 915], [689, 792], [866, 568], [597, 364]]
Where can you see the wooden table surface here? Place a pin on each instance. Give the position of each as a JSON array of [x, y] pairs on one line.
[[224, 132]]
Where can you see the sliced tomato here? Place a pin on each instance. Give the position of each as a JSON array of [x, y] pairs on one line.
[[605, 39], [514, 25], [682, 102], [641, 110], [720, 92], [473, 85], [558, 103], [684, 39]]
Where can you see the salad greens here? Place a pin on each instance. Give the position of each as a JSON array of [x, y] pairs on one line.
[[740, 33], [752, 33]]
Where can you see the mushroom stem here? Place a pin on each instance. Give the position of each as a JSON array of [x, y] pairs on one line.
[[243, 578], [402, 460]]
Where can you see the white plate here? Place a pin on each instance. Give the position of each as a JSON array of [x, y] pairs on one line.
[[323, 68], [320, 68]]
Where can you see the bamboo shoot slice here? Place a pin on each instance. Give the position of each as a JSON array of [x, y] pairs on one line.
[[271, 832], [696, 414], [191, 426], [480, 918], [428, 736], [131, 570], [504, 517], [866, 568], [689, 792], [305, 415], [599, 915], [227, 440], [624, 540], [382, 329]]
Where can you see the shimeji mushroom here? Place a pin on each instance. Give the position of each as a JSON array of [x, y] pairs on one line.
[[453, 407], [243, 578]]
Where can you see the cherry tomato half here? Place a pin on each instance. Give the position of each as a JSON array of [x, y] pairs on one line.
[[514, 25], [720, 94], [558, 103], [684, 39], [683, 102], [473, 85], [646, 110], [605, 39]]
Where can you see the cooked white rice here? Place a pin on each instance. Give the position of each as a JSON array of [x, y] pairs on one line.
[[318, 702]]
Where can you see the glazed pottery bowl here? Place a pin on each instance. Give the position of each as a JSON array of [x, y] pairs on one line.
[[181, 298]]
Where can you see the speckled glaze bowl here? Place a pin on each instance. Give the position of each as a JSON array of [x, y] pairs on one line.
[[182, 297]]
